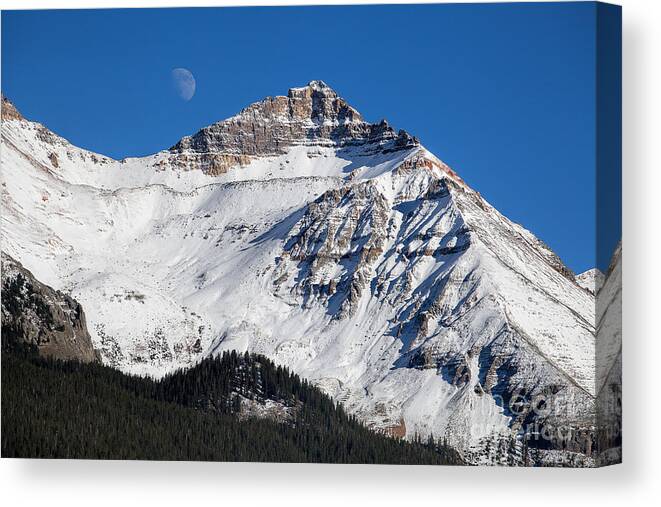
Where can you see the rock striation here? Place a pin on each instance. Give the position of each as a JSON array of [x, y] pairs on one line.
[[313, 115]]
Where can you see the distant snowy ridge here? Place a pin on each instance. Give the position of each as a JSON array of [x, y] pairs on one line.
[[339, 248], [591, 280]]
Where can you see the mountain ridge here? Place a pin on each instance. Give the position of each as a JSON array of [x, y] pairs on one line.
[[375, 272]]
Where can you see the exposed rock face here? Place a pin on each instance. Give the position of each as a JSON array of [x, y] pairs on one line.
[[9, 111], [36, 314], [336, 243], [312, 115]]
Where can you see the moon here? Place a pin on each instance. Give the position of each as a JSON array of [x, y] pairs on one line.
[[184, 83]]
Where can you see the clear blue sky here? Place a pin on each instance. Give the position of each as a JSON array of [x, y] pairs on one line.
[[503, 93]]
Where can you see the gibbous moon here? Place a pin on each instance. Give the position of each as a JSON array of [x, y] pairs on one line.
[[184, 83]]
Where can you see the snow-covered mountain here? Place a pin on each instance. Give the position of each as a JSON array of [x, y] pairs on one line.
[[340, 248]]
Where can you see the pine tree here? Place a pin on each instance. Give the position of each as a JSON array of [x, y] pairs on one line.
[[65, 409]]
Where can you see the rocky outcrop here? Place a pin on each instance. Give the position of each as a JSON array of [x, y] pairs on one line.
[[9, 111], [313, 115], [336, 244], [36, 314]]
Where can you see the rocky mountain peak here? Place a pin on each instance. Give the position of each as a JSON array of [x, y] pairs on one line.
[[319, 103], [316, 87], [313, 104], [313, 115], [316, 84]]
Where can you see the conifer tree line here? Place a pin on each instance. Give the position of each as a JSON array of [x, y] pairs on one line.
[[68, 409]]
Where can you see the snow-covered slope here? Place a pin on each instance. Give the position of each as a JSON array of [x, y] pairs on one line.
[[609, 363], [591, 280], [342, 249]]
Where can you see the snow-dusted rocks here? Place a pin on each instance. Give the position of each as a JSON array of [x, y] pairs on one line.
[[339, 248]]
